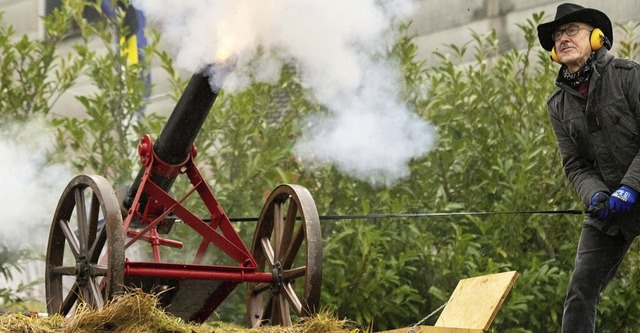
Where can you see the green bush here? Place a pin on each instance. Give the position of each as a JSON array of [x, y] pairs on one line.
[[33, 74]]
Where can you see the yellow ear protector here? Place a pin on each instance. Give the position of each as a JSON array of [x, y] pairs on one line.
[[597, 39]]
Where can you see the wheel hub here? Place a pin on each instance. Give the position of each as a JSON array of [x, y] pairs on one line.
[[276, 271], [82, 271]]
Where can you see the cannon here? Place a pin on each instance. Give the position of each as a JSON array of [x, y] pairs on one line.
[[97, 238]]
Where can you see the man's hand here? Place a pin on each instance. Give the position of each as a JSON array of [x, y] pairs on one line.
[[599, 206], [622, 199]]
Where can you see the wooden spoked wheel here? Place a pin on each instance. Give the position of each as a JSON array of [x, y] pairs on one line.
[[287, 243], [79, 267]]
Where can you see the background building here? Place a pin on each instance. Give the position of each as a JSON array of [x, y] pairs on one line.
[[440, 23], [435, 25]]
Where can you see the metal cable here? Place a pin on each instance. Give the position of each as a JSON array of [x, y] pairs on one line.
[[414, 326], [436, 214]]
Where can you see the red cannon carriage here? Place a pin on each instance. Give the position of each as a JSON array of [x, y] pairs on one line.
[[94, 237]]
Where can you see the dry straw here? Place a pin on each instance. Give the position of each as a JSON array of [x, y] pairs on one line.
[[138, 312]]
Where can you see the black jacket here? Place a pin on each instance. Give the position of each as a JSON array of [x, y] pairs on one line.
[[598, 137]]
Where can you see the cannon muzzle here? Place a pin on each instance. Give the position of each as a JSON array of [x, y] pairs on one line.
[[175, 142]]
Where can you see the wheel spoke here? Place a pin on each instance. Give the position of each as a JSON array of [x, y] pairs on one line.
[[277, 229], [292, 297], [295, 273], [95, 291], [71, 299], [94, 214], [293, 249], [81, 216], [266, 314], [98, 270], [64, 270], [268, 251], [71, 238], [98, 245], [289, 226], [274, 308], [282, 315], [260, 288]]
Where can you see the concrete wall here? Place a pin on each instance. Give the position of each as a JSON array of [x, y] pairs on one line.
[[23, 15], [440, 23], [437, 24]]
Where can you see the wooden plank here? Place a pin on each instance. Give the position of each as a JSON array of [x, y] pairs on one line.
[[476, 301], [432, 329]]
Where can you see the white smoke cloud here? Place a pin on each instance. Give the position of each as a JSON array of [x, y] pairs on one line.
[[30, 189], [375, 139], [370, 133]]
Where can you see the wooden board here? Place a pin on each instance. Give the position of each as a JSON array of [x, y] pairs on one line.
[[431, 329], [476, 301]]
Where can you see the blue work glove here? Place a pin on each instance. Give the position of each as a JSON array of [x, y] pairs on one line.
[[599, 206], [622, 199]]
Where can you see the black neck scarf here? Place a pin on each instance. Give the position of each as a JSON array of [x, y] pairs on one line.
[[578, 77]]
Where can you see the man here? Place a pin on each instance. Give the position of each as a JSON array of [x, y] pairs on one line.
[[595, 113]]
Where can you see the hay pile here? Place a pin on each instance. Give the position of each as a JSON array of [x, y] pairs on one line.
[[138, 312]]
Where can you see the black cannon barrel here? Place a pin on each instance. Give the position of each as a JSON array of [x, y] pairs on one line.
[[174, 143]]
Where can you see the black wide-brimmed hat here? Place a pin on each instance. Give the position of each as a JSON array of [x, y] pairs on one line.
[[567, 13]]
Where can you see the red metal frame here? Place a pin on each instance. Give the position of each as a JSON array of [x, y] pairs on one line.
[[218, 232]]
